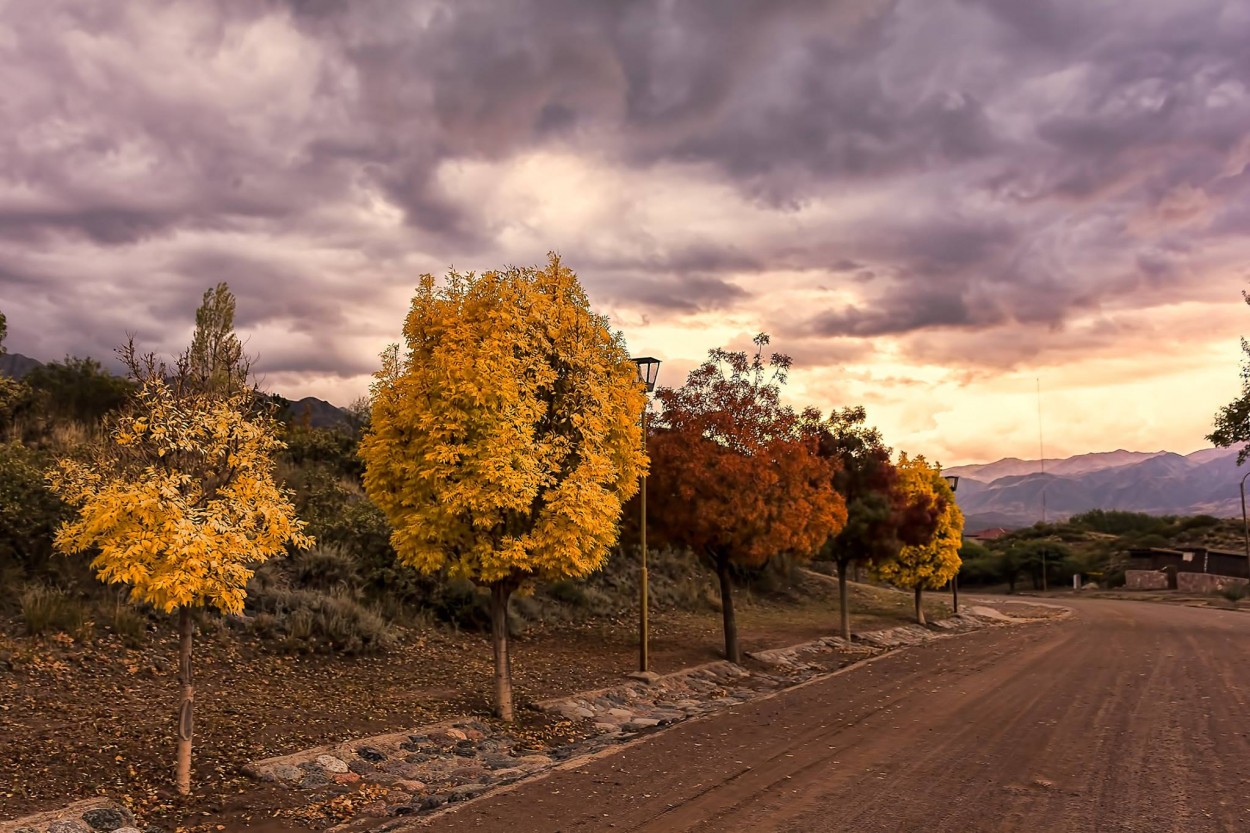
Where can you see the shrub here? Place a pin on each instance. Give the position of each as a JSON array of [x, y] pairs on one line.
[[125, 621], [326, 569], [315, 621], [1234, 591], [49, 609]]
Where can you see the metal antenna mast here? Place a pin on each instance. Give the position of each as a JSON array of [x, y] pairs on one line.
[[1041, 448]]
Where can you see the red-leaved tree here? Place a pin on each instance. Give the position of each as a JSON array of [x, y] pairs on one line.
[[735, 476]]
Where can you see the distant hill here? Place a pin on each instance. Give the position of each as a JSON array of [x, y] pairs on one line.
[[15, 365], [1009, 492], [317, 412]]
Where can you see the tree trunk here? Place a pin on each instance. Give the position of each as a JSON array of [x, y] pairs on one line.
[[185, 714], [919, 606], [844, 600], [732, 652], [500, 592]]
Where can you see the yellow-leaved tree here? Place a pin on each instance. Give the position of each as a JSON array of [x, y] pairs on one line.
[[179, 503], [929, 565], [505, 436]]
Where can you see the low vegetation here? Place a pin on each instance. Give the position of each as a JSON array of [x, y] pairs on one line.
[[1094, 545]]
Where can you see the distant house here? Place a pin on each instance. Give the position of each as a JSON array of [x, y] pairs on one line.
[[1193, 569], [986, 534]]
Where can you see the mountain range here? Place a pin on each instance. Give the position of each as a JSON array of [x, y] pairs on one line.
[[1009, 493]]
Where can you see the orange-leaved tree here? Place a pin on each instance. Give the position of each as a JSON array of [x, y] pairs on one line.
[[180, 503], [931, 563], [505, 437], [735, 476]]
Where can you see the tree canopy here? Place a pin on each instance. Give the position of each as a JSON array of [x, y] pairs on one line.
[[735, 474], [505, 436]]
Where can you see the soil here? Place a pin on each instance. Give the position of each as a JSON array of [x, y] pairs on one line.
[[1123, 717], [95, 717]]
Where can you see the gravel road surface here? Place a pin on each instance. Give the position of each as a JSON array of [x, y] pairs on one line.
[[1126, 716]]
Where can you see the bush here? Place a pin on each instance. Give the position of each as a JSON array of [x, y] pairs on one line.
[[315, 621], [29, 512], [458, 603], [50, 609], [125, 621], [326, 569], [1234, 591]]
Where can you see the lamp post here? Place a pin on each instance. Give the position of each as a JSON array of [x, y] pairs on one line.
[[648, 369], [952, 480], [1245, 528]]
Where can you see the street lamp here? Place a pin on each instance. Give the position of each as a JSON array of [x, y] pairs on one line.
[[952, 480], [1245, 528], [648, 369]]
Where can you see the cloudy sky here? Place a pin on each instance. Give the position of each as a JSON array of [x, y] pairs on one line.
[[933, 205]]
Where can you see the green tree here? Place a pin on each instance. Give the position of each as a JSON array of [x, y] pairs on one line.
[[505, 437], [216, 359], [866, 478], [1232, 422], [29, 512], [4, 331], [736, 474], [78, 389], [1042, 559]]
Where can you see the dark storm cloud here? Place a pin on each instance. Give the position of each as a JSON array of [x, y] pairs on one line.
[[1001, 162]]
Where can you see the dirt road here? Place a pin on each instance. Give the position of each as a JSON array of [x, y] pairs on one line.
[[1125, 717]]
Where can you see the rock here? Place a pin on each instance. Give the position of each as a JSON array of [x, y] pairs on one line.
[[648, 677], [68, 826], [431, 802], [345, 778], [375, 809], [108, 818], [642, 723], [456, 734], [410, 786], [127, 830], [361, 768], [531, 761], [332, 764], [25, 830], [505, 774], [466, 792], [314, 781], [286, 773], [620, 714], [370, 754]]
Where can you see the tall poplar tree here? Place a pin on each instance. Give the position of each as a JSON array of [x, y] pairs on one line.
[[504, 436], [216, 359]]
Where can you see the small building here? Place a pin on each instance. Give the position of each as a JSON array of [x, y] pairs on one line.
[[1192, 569]]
